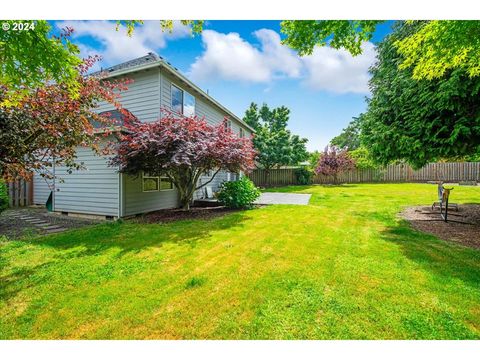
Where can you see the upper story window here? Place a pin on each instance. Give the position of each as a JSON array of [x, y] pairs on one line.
[[182, 102], [241, 133], [228, 125]]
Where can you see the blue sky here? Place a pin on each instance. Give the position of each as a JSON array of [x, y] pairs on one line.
[[243, 61]]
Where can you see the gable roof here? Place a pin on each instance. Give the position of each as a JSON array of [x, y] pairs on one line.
[[152, 60]]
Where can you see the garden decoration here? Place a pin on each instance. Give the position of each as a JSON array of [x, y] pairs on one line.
[[443, 204]]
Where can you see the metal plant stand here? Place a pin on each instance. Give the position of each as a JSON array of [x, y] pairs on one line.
[[443, 204]]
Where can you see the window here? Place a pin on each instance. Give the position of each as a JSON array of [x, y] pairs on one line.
[[183, 103], [165, 183], [150, 183], [228, 125], [156, 183], [177, 100], [241, 133], [188, 104]]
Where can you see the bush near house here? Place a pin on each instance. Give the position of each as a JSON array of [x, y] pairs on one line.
[[238, 194], [3, 196]]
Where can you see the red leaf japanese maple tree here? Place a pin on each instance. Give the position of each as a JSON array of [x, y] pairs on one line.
[[47, 123], [182, 148], [333, 161]]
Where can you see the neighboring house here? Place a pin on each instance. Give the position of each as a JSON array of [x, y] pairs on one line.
[[101, 189]]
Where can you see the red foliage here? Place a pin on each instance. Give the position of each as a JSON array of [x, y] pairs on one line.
[[49, 123], [334, 161], [182, 148]]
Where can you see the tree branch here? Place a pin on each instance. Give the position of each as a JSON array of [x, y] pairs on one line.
[[209, 181]]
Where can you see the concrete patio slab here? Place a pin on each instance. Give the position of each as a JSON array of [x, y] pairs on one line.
[[272, 198]]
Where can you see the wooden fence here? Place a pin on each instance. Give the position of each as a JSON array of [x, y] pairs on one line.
[[20, 193], [449, 172]]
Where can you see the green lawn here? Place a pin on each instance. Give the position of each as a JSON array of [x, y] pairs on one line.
[[343, 267]]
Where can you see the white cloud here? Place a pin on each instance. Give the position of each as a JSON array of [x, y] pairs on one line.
[[338, 71], [116, 46], [228, 56]]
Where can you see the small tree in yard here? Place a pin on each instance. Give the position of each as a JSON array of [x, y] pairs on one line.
[[275, 144], [333, 162], [183, 149], [46, 124]]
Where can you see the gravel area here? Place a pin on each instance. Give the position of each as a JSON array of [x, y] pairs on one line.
[[13, 226], [463, 226]]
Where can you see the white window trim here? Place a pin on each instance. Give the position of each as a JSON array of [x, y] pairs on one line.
[[183, 99], [150, 177], [241, 133], [159, 179], [159, 183], [172, 85]]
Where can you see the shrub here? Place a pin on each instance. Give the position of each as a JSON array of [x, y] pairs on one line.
[[238, 194], [3, 196], [304, 176]]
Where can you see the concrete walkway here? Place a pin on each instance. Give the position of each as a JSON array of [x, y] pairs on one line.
[[271, 198]]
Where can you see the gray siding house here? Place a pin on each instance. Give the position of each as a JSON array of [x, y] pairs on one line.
[[100, 189]]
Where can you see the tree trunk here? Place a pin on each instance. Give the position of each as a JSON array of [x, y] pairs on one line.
[[267, 177]]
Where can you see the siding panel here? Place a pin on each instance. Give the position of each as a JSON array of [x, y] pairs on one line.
[[41, 189], [142, 98], [93, 190], [138, 202]]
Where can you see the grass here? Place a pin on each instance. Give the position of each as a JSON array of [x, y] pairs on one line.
[[344, 267]]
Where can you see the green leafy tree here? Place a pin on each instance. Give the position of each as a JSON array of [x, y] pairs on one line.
[[313, 158], [166, 25], [350, 136], [275, 144], [434, 48], [363, 158], [29, 58], [35, 55], [305, 35], [419, 121], [3, 196]]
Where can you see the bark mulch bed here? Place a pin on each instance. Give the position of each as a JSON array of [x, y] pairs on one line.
[[462, 228], [195, 213]]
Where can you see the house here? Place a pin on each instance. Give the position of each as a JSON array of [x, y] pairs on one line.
[[100, 189]]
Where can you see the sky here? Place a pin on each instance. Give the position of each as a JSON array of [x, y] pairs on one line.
[[240, 62]]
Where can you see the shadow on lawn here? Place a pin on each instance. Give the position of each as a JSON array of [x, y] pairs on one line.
[[133, 237], [442, 259]]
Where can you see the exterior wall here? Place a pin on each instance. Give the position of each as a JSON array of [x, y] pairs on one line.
[[214, 184], [100, 189], [94, 190], [136, 201], [142, 98], [41, 189], [203, 108]]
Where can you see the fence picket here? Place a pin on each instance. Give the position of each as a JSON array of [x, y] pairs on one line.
[[20, 193], [453, 172]]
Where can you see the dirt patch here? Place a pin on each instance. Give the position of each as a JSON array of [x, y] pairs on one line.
[[463, 226], [195, 213]]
